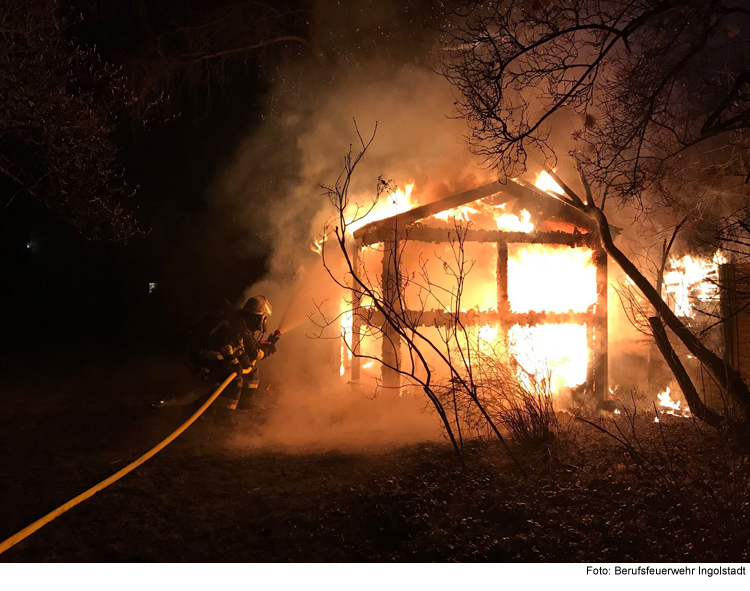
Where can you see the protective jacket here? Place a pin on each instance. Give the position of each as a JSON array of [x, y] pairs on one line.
[[223, 344]]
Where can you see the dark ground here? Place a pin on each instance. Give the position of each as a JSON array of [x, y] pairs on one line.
[[63, 430]]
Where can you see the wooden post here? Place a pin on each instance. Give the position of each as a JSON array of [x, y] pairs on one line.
[[391, 347], [601, 331], [503, 307], [356, 258]]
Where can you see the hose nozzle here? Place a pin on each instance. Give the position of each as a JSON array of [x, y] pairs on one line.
[[273, 339]]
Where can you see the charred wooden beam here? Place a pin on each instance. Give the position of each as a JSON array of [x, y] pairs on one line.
[[417, 318], [424, 211], [541, 204], [421, 233], [356, 258], [600, 349], [391, 285], [502, 277]]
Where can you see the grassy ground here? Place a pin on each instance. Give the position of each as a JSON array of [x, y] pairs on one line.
[[204, 499]]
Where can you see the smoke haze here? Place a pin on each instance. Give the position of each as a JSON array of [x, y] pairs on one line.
[[272, 188]]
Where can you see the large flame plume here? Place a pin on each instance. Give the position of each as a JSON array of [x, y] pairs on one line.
[[537, 273], [483, 209], [556, 353]]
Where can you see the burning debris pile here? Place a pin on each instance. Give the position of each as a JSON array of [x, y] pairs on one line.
[[671, 407], [665, 403]]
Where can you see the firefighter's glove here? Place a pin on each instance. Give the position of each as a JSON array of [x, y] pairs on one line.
[[244, 366], [267, 348]]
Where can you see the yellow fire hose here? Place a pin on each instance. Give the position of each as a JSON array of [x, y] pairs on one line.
[[40, 523]]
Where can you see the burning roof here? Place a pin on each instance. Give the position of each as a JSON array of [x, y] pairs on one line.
[[509, 200]]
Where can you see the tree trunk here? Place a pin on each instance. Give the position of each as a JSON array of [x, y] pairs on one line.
[[696, 405], [729, 378]]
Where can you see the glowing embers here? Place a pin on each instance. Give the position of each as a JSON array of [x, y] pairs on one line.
[[547, 278], [692, 278], [485, 214], [556, 353]]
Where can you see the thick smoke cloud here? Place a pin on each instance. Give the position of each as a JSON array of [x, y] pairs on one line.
[[302, 144], [272, 188]]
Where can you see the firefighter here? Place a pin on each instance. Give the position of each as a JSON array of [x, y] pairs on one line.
[[230, 340]]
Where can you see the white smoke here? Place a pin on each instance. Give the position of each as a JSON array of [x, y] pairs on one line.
[[273, 189]]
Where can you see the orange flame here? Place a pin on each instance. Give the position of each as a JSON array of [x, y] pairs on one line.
[[482, 208], [513, 223], [317, 245], [693, 278], [545, 182], [487, 338], [347, 323], [548, 278], [396, 203], [673, 407], [557, 353]]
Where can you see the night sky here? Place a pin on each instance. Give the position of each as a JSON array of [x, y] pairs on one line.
[[68, 288]]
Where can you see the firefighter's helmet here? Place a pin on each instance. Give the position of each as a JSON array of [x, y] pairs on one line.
[[256, 310], [258, 305]]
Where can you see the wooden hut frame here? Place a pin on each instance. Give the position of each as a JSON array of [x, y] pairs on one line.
[[391, 231]]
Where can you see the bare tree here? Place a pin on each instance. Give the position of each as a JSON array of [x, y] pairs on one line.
[[646, 89], [59, 106]]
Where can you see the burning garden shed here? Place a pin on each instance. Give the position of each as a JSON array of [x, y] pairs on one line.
[[530, 275]]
